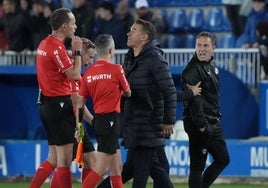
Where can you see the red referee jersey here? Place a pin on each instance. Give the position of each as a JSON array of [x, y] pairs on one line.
[[52, 60], [104, 82], [75, 85]]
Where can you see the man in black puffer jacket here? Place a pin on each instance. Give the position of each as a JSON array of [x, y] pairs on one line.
[[202, 115], [151, 111]]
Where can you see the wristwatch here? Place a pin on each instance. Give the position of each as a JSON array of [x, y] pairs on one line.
[[77, 53]]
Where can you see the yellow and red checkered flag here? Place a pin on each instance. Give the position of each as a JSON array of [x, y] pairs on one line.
[[80, 129]]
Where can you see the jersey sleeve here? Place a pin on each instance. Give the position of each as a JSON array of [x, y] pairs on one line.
[[124, 85], [83, 91], [62, 58]]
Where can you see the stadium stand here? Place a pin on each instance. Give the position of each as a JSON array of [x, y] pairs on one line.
[[240, 41], [176, 20], [227, 41], [195, 20], [173, 41], [189, 41], [214, 19]]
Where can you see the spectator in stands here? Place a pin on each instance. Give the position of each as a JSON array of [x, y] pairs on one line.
[[26, 6], [3, 36], [110, 23], [262, 33], [85, 18], [41, 23], [156, 18], [258, 13], [201, 115], [55, 3], [94, 4], [124, 12], [237, 21], [18, 27]]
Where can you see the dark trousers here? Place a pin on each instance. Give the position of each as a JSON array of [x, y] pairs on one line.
[[200, 144], [142, 162]]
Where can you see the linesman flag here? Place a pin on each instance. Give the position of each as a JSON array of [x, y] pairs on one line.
[[80, 128]]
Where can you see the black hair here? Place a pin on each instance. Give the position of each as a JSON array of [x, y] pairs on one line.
[[108, 5], [262, 28], [147, 28]]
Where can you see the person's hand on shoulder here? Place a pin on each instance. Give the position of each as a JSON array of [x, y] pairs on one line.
[[196, 89]]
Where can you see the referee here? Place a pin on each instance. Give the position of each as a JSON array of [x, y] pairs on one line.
[[54, 71], [104, 83]]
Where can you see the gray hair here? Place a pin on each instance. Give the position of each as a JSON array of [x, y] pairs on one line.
[[104, 42]]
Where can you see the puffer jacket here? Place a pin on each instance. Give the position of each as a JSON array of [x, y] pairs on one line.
[[153, 99], [203, 110]]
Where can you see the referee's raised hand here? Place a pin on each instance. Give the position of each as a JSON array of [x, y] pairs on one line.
[[77, 43]]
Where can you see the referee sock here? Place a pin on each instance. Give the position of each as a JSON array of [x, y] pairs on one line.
[[41, 174], [54, 181], [116, 181], [85, 172], [91, 180], [64, 177]]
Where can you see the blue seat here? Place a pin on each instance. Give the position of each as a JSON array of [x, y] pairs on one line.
[[173, 41], [199, 2], [195, 20], [164, 12], [176, 20], [227, 41], [214, 20], [227, 24], [215, 2], [189, 41]]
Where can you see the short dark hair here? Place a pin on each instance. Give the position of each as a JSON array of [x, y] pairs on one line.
[[209, 35], [59, 17], [262, 27], [147, 28], [107, 5]]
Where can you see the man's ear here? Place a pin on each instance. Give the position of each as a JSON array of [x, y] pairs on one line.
[[144, 37]]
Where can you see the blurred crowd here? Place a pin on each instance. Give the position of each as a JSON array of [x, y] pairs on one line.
[[23, 23]]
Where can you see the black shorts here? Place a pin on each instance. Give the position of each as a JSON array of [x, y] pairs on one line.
[[58, 119], [87, 145], [107, 132]]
